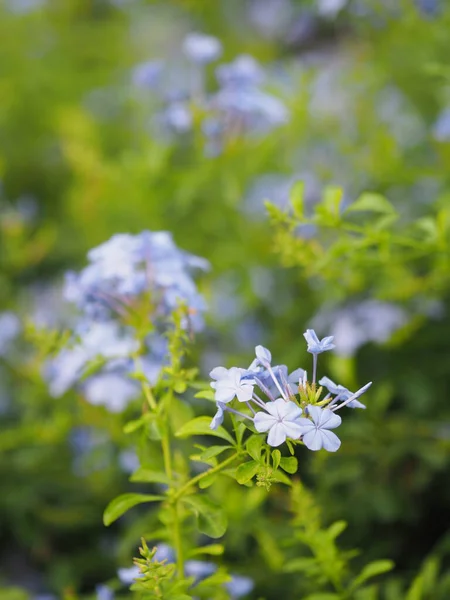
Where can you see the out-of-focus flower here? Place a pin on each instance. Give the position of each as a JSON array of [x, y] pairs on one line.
[[10, 328], [330, 8], [239, 586], [128, 575], [281, 421], [147, 75], [113, 390], [441, 127], [354, 325], [201, 48], [316, 434], [244, 71], [104, 592]]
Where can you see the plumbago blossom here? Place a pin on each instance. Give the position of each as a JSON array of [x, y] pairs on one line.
[[238, 104], [131, 281], [293, 412]]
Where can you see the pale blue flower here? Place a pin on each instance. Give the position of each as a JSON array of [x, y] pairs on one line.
[[232, 385], [243, 71], [441, 128], [164, 552], [128, 575], [217, 420], [104, 592], [9, 329], [177, 117], [201, 48], [316, 433], [282, 420], [147, 75], [316, 346], [340, 391], [199, 569], [113, 390], [239, 586]]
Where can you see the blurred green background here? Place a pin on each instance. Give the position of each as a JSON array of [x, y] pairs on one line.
[[366, 83]]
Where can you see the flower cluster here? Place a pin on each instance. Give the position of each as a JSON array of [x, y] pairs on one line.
[[295, 409], [237, 107], [128, 277]]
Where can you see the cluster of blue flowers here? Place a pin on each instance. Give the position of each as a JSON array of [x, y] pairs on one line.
[[123, 273], [237, 107], [295, 410]]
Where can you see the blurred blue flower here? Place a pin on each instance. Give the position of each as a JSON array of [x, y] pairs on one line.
[[147, 75], [242, 72], [10, 328], [316, 346], [441, 127], [104, 592], [113, 390], [239, 586], [315, 433], [128, 575], [201, 48], [199, 569], [282, 420]]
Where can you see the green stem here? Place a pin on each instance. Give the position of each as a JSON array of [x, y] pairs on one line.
[[177, 541], [198, 478], [166, 455]]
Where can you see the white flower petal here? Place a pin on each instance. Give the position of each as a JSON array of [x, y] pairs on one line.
[[329, 419], [277, 435], [263, 422], [245, 392], [315, 412], [292, 429], [330, 441], [313, 439], [224, 394]]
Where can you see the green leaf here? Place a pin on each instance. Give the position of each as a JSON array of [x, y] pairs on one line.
[[336, 529], [120, 505], [296, 198], [201, 426], [212, 549], [246, 471], [138, 423], [254, 445], [378, 567], [289, 464], [371, 202], [206, 394], [276, 458], [180, 413], [302, 564], [143, 475], [281, 477], [212, 452], [206, 482], [323, 596], [211, 518], [332, 200]]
